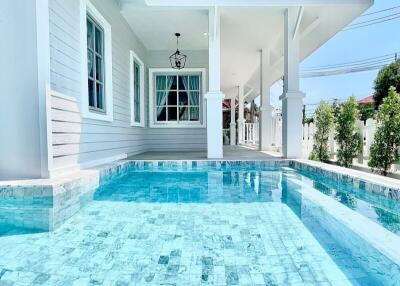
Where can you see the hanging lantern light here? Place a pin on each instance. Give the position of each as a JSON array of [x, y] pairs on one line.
[[177, 59]]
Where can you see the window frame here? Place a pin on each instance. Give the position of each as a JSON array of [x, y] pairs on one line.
[[153, 122], [102, 57], [135, 59], [87, 9]]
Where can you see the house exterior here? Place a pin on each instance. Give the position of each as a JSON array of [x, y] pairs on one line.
[[87, 82]]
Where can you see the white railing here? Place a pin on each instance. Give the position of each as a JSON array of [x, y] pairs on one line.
[[250, 135]]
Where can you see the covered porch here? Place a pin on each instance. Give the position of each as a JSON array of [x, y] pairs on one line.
[[249, 46]]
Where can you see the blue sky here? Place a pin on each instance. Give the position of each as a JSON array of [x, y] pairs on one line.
[[357, 44]]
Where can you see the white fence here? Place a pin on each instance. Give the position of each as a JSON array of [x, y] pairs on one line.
[[367, 131]]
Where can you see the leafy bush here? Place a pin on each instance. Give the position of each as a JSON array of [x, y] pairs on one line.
[[385, 148], [323, 123], [347, 134], [387, 77], [366, 111]]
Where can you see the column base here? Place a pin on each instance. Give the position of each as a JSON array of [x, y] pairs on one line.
[[214, 124]]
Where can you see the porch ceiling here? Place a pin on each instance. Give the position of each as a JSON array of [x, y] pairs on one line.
[[244, 31]]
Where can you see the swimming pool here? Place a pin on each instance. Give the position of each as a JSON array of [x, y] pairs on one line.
[[232, 223]]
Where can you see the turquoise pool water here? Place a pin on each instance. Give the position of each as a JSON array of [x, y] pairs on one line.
[[204, 226]]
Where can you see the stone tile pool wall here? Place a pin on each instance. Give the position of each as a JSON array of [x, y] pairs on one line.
[[388, 191], [372, 246], [45, 207]]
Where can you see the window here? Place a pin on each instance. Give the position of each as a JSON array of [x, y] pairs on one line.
[[137, 90], [177, 98], [95, 61], [96, 64]]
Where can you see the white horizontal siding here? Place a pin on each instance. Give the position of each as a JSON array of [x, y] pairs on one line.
[[79, 141]]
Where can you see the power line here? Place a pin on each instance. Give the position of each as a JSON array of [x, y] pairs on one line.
[[341, 71], [373, 23], [374, 60], [351, 65], [372, 20], [380, 11]]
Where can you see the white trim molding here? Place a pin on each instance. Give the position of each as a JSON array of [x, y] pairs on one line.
[[88, 8], [133, 57], [152, 121]]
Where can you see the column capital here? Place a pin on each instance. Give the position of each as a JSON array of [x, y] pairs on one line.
[[241, 121], [233, 124], [292, 95], [214, 95]]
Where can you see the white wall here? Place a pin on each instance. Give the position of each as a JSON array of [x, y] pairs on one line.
[[74, 141], [22, 92], [88, 141], [97, 140], [178, 139]]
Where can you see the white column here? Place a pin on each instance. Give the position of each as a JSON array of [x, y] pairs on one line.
[[240, 120], [233, 122], [24, 81], [265, 126], [292, 97], [214, 96]]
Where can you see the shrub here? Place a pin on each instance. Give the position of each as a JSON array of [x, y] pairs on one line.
[[366, 111], [385, 148], [347, 134], [387, 77], [323, 125]]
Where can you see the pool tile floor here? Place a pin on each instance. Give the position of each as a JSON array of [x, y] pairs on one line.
[[121, 243]]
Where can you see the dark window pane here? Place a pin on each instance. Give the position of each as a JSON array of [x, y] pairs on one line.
[[100, 97], [90, 63], [172, 100], [161, 113], [183, 98], [194, 97], [171, 80], [194, 114], [183, 82], [161, 82], [172, 116], [161, 98], [99, 40], [91, 92], [89, 27], [137, 74], [183, 113], [137, 112], [99, 69]]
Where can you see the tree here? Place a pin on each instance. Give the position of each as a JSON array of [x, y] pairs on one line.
[[323, 123], [347, 135], [385, 148], [366, 111], [387, 77]]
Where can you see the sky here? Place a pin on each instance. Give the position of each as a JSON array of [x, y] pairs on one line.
[[347, 46]]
